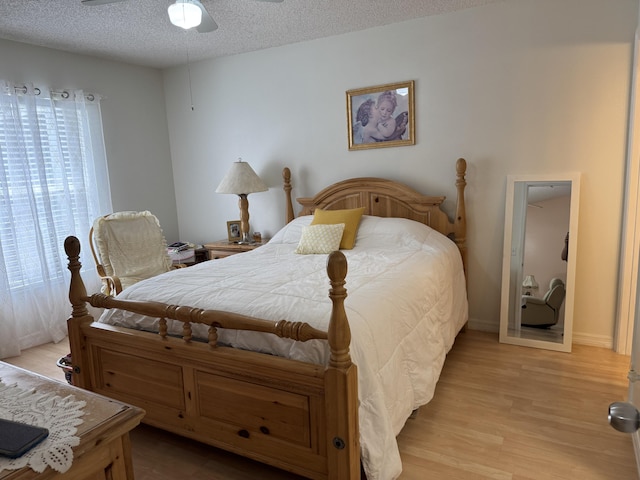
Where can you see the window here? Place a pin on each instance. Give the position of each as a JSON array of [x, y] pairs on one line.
[[53, 183]]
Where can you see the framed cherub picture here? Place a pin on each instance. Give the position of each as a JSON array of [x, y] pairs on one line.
[[381, 116]]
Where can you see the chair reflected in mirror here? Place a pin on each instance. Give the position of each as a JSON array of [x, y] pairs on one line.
[[543, 312]]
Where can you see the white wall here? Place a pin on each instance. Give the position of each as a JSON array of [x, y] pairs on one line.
[[523, 86], [134, 119]]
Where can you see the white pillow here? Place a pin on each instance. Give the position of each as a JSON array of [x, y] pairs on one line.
[[292, 231], [320, 238], [388, 232], [372, 232]]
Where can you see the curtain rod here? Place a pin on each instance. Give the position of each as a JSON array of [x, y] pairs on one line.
[[63, 93]]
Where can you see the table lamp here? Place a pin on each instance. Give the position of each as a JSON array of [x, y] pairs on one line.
[[241, 180], [529, 284]]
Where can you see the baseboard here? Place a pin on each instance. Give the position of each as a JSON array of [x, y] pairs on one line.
[[603, 341], [483, 325], [589, 339]]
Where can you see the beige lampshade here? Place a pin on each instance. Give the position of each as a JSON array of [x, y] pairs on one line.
[[241, 179], [530, 282]]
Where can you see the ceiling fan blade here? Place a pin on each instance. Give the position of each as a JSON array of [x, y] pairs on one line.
[[207, 24], [93, 3]]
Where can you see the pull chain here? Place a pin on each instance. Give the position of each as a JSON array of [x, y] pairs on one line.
[[186, 32]]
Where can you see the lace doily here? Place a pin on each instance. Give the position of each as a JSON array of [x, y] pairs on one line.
[[60, 415]]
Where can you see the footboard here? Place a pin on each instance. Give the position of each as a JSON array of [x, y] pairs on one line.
[[296, 416]]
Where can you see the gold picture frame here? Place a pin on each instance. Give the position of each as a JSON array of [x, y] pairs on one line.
[[233, 230], [390, 106]]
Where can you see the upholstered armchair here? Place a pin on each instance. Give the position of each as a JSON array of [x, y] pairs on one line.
[[543, 312], [128, 247]]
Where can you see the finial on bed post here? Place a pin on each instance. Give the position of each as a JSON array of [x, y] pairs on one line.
[[339, 331], [341, 382], [460, 222], [286, 175], [77, 290], [79, 316]]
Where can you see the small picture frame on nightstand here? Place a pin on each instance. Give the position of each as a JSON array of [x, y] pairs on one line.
[[233, 230]]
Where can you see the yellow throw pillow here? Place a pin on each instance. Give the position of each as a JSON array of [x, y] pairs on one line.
[[351, 219], [320, 239]]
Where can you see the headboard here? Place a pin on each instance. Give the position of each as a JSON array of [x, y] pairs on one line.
[[387, 198]]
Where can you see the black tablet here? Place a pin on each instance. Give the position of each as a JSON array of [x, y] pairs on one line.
[[18, 438]]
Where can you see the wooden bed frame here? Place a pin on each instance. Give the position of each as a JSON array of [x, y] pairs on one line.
[[297, 416]]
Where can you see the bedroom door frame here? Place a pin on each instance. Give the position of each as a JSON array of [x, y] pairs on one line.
[[627, 329], [630, 247]]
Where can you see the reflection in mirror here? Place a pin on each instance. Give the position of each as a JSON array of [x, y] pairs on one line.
[[538, 272]]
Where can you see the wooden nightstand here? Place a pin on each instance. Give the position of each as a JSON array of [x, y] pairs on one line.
[[224, 248]]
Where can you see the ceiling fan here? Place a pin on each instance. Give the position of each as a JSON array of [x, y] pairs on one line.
[[183, 13]]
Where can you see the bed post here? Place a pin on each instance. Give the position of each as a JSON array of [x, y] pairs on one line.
[[79, 315], [341, 382], [460, 222], [286, 175]]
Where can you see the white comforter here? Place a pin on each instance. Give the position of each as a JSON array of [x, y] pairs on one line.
[[406, 302]]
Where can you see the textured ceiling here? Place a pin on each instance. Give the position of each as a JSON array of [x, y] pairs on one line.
[[139, 31]]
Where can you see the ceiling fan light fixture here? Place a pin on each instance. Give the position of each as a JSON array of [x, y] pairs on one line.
[[185, 14]]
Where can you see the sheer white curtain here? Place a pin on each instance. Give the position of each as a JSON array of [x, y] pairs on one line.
[[53, 183]]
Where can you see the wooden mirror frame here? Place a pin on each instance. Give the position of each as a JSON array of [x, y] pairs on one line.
[[515, 220]]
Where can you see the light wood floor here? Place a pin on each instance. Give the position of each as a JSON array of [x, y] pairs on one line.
[[499, 412]]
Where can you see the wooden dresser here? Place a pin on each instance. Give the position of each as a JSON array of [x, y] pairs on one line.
[[104, 451]]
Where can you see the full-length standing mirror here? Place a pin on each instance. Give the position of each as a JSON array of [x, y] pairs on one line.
[[538, 264]]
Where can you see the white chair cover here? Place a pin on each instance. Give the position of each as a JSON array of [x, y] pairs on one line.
[[131, 246]]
